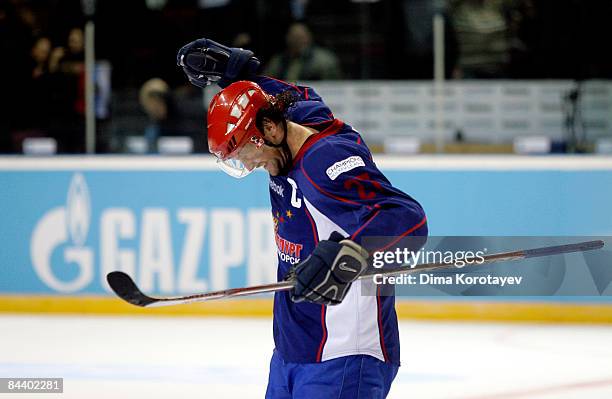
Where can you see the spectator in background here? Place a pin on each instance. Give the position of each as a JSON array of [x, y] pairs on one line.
[[32, 96], [302, 59], [37, 90], [73, 60], [40, 57], [483, 36], [67, 104], [164, 119]]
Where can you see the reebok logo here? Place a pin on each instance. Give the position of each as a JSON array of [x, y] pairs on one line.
[[277, 188]]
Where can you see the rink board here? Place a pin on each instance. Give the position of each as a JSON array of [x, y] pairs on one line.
[[180, 226], [460, 310]]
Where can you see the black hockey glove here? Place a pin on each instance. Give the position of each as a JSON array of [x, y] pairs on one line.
[[326, 275], [206, 61]]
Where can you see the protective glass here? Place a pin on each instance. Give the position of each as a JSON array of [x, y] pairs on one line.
[[234, 168]]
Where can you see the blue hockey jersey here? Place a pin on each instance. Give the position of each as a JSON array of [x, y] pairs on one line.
[[334, 185]]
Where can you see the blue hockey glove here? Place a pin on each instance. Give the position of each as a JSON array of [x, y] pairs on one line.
[[205, 61], [326, 275]]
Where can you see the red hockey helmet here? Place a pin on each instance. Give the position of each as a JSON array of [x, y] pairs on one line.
[[231, 123]]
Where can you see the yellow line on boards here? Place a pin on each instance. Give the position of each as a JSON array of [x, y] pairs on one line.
[[110, 305], [262, 307]]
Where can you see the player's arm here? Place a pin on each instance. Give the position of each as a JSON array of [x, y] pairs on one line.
[[351, 191], [354, 194]]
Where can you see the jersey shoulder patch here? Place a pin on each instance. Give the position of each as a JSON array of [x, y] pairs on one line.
[[333, 156]]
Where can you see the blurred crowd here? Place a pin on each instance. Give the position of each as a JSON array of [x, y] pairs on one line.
[[42, 47], [42, 75]]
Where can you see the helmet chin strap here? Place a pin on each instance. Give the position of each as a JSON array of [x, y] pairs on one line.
[[284, 147]]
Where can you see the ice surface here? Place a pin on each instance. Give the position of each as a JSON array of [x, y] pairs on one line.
[[178, 357]]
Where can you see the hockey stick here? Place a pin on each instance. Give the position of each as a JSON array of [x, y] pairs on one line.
[[126, 289]]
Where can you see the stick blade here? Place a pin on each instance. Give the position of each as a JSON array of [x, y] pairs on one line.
[[126, 289]]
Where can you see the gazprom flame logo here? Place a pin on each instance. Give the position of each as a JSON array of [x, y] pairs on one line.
[[78, 209], [65, 228]]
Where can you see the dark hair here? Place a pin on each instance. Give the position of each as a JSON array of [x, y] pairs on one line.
[[277, 109]]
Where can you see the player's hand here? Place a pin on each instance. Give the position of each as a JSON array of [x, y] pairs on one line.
[[205, 61], [326, 275]]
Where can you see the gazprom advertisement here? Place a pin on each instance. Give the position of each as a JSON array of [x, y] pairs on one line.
[[177, 232], [179, 229]]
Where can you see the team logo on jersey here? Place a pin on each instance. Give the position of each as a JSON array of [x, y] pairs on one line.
[[345, 165], [288, 251], [277, 188]]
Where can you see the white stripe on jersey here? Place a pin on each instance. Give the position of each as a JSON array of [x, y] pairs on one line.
[[352, 326]]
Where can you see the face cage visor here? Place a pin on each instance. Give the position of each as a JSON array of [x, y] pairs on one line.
[[235, 167]]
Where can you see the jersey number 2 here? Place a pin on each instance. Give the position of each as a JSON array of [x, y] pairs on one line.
[[295, 201]]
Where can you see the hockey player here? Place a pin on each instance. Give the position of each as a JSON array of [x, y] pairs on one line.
[[331, 341]]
